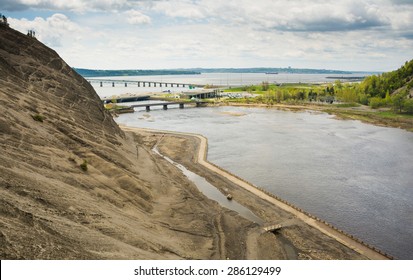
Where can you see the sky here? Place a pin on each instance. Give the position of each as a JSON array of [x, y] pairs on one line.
[[354, 35]]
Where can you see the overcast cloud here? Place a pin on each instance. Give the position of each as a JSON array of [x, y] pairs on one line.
[[114, 34]]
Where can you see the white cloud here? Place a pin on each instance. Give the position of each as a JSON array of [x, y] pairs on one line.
[[340, 34], [136, 17], [51, 30], [181, 9]]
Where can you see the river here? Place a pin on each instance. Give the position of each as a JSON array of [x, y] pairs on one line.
[[356, 176]]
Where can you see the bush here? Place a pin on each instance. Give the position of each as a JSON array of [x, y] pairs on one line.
[[363, 99], [83, 165], [38, 118], [408, 106], [377, 102]]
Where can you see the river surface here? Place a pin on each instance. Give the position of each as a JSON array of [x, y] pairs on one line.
[[356, 176]]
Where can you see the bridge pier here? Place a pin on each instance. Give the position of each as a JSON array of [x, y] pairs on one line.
[[139, 84], [113, 84], [181, 105], [148, 108], [149, 84], [126, 84], [166, 84], [101, 84], [154, 84], [143, 84], [165, 107]]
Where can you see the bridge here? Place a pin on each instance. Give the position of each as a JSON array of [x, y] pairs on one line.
[[142, 83], [273, 228], [165, 104]]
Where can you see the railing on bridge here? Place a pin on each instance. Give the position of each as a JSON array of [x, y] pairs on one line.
[[165, 105], [142, 83]]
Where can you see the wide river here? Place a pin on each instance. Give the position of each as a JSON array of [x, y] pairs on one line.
[[356, 176]]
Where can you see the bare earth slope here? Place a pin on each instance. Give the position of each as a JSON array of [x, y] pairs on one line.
[[128, 204]]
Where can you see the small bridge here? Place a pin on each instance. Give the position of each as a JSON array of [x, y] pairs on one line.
[[142, 83], [165, 105], [273, 228]]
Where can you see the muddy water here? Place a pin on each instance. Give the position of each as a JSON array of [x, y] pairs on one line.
[[357, 177]]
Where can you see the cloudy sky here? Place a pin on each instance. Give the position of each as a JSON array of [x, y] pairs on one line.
[[364, 35]]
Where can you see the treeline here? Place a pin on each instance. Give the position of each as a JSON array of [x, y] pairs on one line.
[[393, 89], [108, 73]]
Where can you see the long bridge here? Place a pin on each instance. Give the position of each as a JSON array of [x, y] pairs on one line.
[[142, 83]]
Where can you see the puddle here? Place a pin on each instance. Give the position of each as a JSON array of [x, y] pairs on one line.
[[213, 193]]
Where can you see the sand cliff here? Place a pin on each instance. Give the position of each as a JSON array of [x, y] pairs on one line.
[[129, 203]]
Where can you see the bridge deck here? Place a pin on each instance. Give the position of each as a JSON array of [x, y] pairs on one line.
[[166, 103], [273, 228]]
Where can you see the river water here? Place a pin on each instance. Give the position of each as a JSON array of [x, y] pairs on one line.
[[356, 176]]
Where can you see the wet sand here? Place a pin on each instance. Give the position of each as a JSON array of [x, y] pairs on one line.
[[301, 237]]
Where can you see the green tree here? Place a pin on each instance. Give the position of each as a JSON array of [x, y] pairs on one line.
[[398, 100], [408, 106]]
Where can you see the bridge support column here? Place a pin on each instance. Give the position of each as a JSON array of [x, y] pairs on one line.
[[126, 84], [177, 85], [154, 84], [113, 84], [181, 105], [149, 84], [139, 84], [148, 108], [143, 84], [172, 85], [101, 84], [165, 107]]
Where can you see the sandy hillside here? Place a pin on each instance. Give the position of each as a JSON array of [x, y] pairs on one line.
[[128, 204]]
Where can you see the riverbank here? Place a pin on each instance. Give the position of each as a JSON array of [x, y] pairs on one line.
[[361, 113], [302, 237]]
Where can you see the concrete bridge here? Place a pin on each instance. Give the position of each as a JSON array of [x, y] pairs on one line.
[[273, 228], [165, 104], [142, 83]]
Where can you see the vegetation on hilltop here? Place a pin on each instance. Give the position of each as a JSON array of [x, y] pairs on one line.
[[390, 90]]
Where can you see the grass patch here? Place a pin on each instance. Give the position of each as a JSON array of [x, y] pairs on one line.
[[347, 105]]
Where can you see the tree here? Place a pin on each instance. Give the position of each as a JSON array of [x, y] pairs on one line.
[[408, 106], [398, 100]]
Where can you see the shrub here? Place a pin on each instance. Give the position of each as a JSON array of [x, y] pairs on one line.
[[377, 102], [38, 118], [83, 165], [408, 106]]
